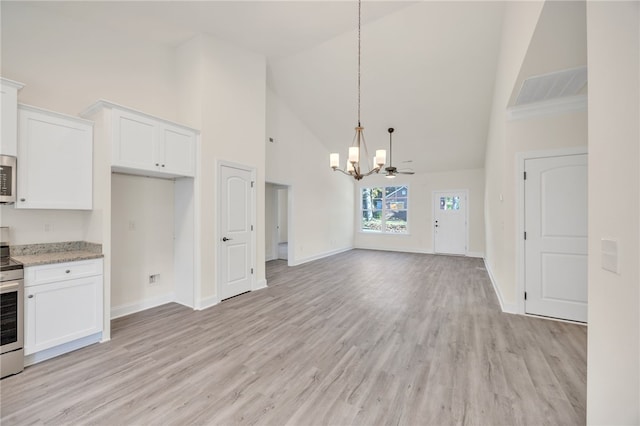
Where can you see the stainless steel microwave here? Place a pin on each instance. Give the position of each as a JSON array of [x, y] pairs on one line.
[[7, 179]]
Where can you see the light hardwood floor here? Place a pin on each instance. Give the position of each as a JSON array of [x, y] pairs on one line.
[[363, 337]]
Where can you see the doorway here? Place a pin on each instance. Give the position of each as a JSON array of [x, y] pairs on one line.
[[236, 213], [283, 223], [450, 222], [277, 233], [555, 236]]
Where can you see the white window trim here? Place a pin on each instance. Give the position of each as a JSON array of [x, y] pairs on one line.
[[360, 211]]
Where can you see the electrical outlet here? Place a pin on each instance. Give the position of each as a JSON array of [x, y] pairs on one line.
[[154, 279]]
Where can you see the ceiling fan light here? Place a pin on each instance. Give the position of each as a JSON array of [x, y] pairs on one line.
[[390, 175]]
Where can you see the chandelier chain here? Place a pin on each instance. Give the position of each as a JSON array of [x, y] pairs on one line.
[[359, 25]]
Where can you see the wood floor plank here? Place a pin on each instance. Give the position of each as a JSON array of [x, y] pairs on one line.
[[363, 337]]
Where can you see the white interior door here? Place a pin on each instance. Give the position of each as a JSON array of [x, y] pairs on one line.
[[450, 222], [236, 243], [556, 237]]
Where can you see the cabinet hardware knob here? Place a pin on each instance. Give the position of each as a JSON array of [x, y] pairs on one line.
[[68, 271], [30, 296], [23, 199], [163, 165], [157, 164]]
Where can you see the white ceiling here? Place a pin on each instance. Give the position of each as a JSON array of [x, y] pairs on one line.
[[272, 28], [428, 70], [428, 67]]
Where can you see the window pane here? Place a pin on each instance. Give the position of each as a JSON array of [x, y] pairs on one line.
[[396, 197], [371, 198], [449, 203], [396, 222], [371, 220]]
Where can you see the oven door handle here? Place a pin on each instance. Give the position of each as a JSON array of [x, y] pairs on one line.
[[10, 286]]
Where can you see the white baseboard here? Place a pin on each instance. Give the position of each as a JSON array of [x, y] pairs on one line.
[[207, 302], [260, 284], [397, 250], [61, 349], [509, 308], [122, 310], [300, 261], [477, 254]]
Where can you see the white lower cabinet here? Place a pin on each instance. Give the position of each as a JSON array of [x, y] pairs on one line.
[[63, 308]]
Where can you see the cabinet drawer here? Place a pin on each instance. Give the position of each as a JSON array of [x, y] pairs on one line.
[[35, 275]]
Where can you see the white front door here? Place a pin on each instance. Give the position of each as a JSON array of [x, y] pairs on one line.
[[236, 243], [556, 237], [450, 222]]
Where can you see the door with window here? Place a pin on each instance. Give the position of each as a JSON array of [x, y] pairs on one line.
[[555, 217], [236, 242], [450, 222]]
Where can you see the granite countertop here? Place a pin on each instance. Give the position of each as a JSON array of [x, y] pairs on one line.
[[43, 254]]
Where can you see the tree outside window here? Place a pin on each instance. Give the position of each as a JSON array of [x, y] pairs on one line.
[[384, 209]]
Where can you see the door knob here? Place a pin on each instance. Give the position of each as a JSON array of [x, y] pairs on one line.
[[226, 239]]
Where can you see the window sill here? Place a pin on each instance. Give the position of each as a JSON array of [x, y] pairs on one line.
[[405, 234]]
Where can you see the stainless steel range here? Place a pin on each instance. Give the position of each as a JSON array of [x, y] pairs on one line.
[[11, 310]]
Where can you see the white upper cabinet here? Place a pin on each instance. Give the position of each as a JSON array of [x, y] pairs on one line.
[[177, 150], [134, 142], [55, 160], [9, 119], [146, 145]]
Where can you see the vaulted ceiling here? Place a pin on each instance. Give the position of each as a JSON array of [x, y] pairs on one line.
[[428, 67]]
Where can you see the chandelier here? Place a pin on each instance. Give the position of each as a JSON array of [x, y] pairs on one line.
[[358, 148]]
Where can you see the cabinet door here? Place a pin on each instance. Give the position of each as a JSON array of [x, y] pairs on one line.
[[135, 142], [55, 161], [9, 119], [177, 147], [61, 312]]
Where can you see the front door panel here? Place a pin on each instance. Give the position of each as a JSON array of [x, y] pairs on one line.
[[450, 222]]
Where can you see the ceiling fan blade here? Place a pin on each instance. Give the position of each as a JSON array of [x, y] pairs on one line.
[[406, 172]]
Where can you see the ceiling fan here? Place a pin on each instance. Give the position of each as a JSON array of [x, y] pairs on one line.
[[392, 171]]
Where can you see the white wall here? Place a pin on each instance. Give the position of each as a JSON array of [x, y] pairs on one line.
[[528, 30], [613, 368], [420, 215], [66, 66], [519, 24], [321, 200], [283, 215], [223, 94], [270, 222], [142, 223], [43, 226]]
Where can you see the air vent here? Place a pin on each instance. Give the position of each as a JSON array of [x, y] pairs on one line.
[[554, 85]]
